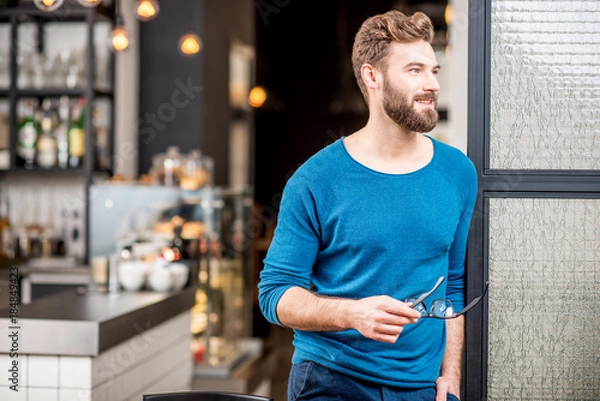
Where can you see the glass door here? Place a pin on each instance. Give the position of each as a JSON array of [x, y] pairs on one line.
[[534, 101]]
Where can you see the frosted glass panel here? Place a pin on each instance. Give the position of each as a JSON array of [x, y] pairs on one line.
[[545, 84], [544, 299]]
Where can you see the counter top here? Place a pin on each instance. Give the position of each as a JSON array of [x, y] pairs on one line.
[[86, 324]]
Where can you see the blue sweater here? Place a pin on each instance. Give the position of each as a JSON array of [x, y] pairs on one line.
[[345, 230]]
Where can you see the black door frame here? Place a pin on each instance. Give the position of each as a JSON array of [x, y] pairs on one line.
[[494, 183]]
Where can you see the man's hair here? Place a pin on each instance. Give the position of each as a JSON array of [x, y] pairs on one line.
[[373, 39]]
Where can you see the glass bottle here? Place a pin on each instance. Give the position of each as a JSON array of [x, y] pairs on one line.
[[77, 135], [158, 168], [101, 140], [27, 136], [62, 133], [172, 166], [46, 143], [5, 229], [192, 177], [4, 142]]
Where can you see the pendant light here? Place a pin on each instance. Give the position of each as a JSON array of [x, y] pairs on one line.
[[48, 5], [257, 97], [189, 44], [147, 10], [119, 35], [89, 3]]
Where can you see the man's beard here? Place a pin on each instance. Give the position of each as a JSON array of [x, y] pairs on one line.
[[397, 107]]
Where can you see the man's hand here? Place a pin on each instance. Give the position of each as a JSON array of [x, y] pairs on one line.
[[381, 318], [445, 386]]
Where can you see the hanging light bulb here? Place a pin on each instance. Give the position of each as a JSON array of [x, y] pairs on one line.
[[257, 97], [147, 10], [89, 3], [48, 5], [119, 35], [189, 44]]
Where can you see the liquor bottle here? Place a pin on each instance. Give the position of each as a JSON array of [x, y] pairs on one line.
[[27, 136], [77, 135], [4, 142], [62, 133], [101, 161], [46, 143], [5, 229]]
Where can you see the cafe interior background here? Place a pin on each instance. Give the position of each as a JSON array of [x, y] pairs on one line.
[[139, 188]]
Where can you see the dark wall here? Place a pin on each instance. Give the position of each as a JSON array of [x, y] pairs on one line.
[[304, 62], [169, 115], [203, 122]]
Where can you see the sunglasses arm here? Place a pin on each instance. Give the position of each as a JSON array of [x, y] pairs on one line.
[[428, 293], [473, 302]]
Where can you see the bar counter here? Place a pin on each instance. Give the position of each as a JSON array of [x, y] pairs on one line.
[[90, 346], [88, 323]]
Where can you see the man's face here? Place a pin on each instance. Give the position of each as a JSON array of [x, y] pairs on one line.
[[410, 87]]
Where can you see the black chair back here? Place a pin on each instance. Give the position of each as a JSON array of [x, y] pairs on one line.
[[204, 396]]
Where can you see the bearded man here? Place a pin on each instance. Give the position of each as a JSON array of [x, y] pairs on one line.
[[368, 222]]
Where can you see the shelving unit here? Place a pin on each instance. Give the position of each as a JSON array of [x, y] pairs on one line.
[[16, 14]]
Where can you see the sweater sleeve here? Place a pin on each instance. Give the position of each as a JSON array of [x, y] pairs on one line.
[[293, 251], [457, 258]]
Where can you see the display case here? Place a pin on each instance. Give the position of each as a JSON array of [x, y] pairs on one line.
[[212, 231], [222, 316]]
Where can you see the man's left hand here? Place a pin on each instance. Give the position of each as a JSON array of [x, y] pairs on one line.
[[445, 386]]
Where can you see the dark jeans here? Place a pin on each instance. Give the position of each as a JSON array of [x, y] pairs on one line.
[[311, 381]]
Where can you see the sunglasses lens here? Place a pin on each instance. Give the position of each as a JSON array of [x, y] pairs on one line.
[[442, 308], [418, 307]]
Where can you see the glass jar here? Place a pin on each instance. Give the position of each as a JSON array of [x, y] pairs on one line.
[[157, 169], [194, 172], [167, 167]]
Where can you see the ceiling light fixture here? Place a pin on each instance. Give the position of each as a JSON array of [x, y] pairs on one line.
[[189, 44], [257, 97], [48, 5], [119, 35], [147, 10]]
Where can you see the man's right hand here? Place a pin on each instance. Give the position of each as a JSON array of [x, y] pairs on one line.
[[381, 317]]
